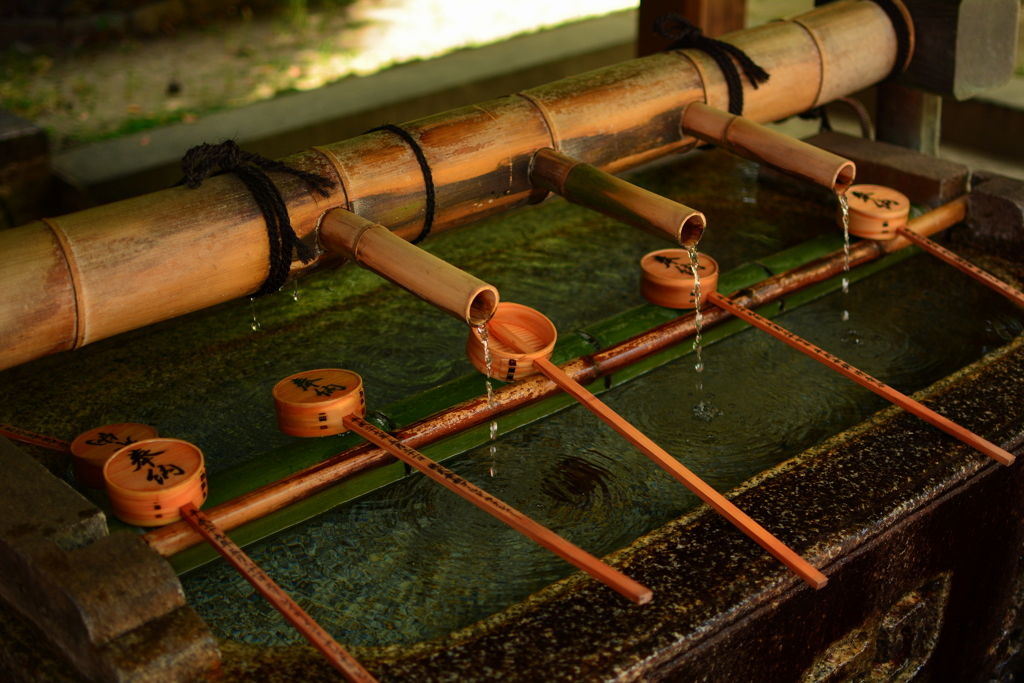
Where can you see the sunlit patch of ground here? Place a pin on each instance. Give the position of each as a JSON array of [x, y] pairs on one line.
[[105, 91]]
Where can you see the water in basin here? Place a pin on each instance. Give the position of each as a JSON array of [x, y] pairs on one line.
[[413, 561]]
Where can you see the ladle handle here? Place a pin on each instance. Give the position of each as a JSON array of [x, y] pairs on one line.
[[963, 265], [345, 663], [506, 513], [23, 435], [755, 142], [588, 186], [723, 506], [863, 379]]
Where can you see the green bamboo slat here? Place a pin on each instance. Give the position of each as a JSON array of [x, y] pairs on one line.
[[356, 486], [820, 289], [794, 257]]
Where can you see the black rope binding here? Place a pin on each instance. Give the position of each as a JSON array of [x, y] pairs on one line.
[[428, 176], [815, 114], [687, 36], [199, 163]]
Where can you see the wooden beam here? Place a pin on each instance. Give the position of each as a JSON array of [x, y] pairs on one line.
[[714, 17]]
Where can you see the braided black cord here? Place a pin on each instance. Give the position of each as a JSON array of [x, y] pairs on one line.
[[199, 163], [428, 176], [687, 36]]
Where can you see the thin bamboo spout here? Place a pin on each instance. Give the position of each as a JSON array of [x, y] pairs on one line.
[[752, 141], [587, 186], [422, 274]]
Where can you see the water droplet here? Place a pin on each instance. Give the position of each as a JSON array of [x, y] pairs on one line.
[[706, 412], [295, 290], [255, 323], [852, 337]]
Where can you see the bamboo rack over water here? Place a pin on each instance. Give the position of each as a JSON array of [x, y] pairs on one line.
[[75, 279], [303, 484]]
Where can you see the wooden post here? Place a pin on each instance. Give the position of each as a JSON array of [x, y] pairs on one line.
[[714, 17], [909, 118], [962, 47]]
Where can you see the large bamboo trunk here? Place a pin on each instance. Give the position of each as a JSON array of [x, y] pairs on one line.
[[75, 279]]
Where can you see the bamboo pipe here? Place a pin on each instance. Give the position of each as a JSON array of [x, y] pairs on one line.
[[248, 507], [587, 186], [749, 140], [673, 467], [89, 275], [437, 282], [340, 659]]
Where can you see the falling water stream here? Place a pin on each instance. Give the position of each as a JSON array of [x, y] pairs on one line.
[[698, 316], [845, 206], [705, 410], [255, 323], [493, 428]]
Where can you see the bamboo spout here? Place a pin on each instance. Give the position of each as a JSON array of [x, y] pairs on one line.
[[588, 186], [437, 282], [752, 141]]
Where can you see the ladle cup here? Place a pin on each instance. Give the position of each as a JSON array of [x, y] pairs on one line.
[[91, 450], [507, 363], [666, 278], [154, 482]]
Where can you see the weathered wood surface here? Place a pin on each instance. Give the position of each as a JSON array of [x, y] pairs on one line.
[[965, 46], [713, 17]]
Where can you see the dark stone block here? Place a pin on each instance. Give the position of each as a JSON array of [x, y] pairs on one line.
[[68, 519], [108, 603], [996, 216], [176, 647], [24, 170], [923, 178]]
